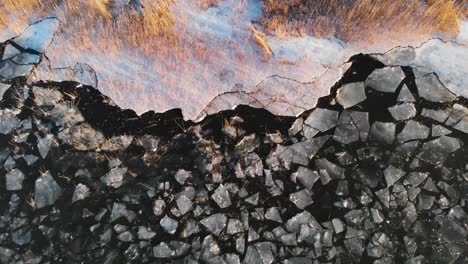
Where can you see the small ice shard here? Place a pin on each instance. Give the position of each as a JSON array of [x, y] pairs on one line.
[[215, 223], [351, 94], [221, 197], [14, 180], [169, 225], [403, 111], [385, 79], [80, 193], [322, 119], [47, 191]]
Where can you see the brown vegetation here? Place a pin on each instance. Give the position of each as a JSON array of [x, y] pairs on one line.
[[367, 20]]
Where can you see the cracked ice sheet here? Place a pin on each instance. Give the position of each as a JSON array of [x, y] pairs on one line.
[[449, 60], [36, 37]]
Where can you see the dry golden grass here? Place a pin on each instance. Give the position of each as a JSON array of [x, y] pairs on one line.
[[363, 20], [205, 4], [262, 41]]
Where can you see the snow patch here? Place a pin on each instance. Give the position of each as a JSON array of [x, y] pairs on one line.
[[325, 51], [463, 36]]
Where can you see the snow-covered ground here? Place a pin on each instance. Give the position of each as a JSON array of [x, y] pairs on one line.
[[237, 63]]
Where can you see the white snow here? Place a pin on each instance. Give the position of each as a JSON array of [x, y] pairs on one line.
[[325, 51], [449, 60], [463, 36]]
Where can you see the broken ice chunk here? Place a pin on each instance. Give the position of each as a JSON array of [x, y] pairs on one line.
[[436, 151], [22, 235], [43, 145], [431, 89], [405, 95], [301, 152], [301, 199], [14, 180], [403, 111], [215, 223], [450, 231], [184, 204], [416, 178], [182, 175], [334, 171], [47, 191], [383, 132], [80, 193], [385, 79], [114, 178], [413, 130], [221, 197], [158, 207], [351, 94], [346, 131], [36, 37], [8, 121], [145, 233], [120, 210], [392, 175], [169, 225], [295, 128], [234, 226], [337, 225], [253, 199], [273, 214], [322, 119], [438, 130], [306, 177]]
